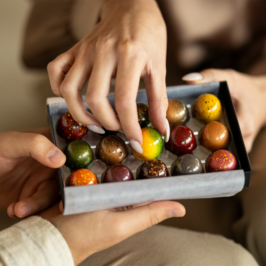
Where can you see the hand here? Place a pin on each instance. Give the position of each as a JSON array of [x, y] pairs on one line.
[[89, 233], [248, 94], [27, 180], [128, 43]]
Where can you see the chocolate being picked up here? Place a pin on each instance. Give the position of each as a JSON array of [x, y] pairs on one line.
[[111, 150], [143, 115], [152, 169], [69, 129], [78, 154], [186, 165], [221, 160], [177, 113], [117, 173]]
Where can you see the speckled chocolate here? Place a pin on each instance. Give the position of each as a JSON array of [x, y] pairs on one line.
[[177, 113], [108, 133], [221, 160], [143, 115], [111, 150], [69, 129], [186, 165], [151, 169]]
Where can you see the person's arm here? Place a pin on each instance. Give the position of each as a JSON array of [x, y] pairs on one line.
[[34, 241], [248, 94]]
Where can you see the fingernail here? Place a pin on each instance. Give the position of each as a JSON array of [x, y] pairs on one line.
[[167, 131], [136, 146], [96, 129], [176, 213], [55, 155], [24, 210], [192, 77]]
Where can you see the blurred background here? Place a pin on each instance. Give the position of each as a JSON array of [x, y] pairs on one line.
[[23, 91]]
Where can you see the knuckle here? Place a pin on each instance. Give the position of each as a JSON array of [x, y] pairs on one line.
[[51, 67], [65, 88], [93, 101], [104, 42], [132, 49], [37, 141]]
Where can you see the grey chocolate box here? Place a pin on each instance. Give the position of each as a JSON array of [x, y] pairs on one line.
[[81, 199]]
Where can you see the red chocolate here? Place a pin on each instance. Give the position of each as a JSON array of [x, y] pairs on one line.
[[69, 129], [182, 140], [221, 160]]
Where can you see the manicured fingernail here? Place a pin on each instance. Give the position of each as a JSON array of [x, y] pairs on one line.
[[96, 129], [55, 156], [167, 131], [177, 213], [24, 210], [192, 77], [136, 146]]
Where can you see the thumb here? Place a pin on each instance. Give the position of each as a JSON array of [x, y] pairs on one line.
[[17, 145], [209, 75], [140, 218]]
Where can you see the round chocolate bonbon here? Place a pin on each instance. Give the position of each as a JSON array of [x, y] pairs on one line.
[[117, 173], [221, 160], [152, 144], [186, 165], [214, 136], [82, 177], [152, 169], [177, 113], [182, 140], [207, 108], [143, 115], [78, 154], [69, 129], [111, 150]]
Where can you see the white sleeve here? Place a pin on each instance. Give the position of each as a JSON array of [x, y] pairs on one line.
[[34, 241]]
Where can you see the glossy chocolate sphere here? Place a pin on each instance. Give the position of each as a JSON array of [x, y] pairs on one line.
[[143, 115], [78, 154], [177, 113], [69, 129], [151, 169], [221, 160], [111, 150], [207, 108], [182, 140], [214, 136], [117, 173], [82, 177], [186, 165], [152, 145]]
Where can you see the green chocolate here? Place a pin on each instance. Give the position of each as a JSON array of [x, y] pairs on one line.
[[78, 154]]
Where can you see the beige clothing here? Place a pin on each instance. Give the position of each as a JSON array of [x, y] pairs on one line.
[[33, 242]]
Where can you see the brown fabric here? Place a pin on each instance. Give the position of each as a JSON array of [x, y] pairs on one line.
[[201, 33], [48, 32]]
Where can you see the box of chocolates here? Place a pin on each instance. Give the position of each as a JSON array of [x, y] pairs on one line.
[[205, 156]]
